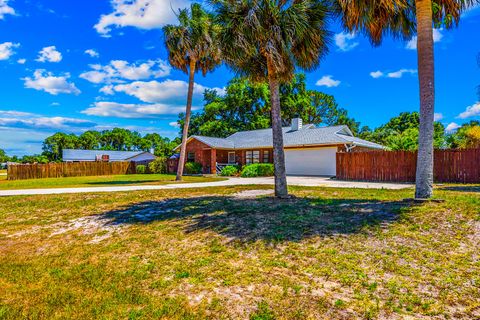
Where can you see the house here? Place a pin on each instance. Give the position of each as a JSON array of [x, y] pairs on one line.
[[309, 150], [71, 155]]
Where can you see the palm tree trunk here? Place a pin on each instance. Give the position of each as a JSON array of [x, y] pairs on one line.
[[188, 112], [281, 190], [426, 75]]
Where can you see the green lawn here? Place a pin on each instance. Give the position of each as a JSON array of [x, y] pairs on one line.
[[118, 180], [216, 254]]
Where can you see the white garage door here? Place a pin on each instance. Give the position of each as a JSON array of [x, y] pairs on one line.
[[311, 162]]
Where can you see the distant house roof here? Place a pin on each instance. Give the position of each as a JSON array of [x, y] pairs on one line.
[[91, 155], [307, 136]]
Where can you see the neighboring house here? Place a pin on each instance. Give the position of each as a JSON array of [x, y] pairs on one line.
[[71, 155], [309, 150]]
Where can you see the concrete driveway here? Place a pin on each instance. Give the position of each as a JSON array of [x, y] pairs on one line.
[[294, 181]]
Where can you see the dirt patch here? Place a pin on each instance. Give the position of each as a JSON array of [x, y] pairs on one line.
[[249, 194], [91, 225]]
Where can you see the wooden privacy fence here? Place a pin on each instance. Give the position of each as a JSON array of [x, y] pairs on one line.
[[462, 166], [68, 169]]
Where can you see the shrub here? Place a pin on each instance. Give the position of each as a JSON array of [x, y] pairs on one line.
[[193, 168], [159, 165], [229, 171], [257, 170], [141, 169]]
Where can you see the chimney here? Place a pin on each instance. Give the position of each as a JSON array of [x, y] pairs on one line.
[[296, 124]]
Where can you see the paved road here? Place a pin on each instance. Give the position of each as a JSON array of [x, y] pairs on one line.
[[297, 181]]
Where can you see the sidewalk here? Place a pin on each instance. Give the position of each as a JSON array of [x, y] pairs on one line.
[[294, 181]]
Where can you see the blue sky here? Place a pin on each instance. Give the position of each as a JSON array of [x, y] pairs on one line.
[[72, 66]]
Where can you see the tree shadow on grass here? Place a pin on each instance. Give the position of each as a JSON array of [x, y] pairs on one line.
[[463, 188], [263, 218]]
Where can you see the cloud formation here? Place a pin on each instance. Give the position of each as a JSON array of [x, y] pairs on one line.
[[92, 53], [16, 119], [49, 54], [328, 81], [344, 41], [452, 127], [394, 75], [120, 70], [437, 37], [48, 82], [138, 111], [437, 117], [471, 111], [7, 49], [5, 9], [142, 14]]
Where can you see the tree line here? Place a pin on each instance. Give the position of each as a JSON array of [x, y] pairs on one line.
[[117, 139]]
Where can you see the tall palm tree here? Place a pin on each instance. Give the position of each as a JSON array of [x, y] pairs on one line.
[[402, 18], [266, 40], [192, 45]]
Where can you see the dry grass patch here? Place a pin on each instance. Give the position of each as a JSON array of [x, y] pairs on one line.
[[235, 253]]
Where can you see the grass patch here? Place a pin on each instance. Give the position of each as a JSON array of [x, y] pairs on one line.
[[117, 180], [209, 253]]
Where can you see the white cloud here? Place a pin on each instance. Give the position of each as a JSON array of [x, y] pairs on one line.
[[437, 116], [143, 14], [108, 90], [54, 104], [395, 74], [118, 70], [7, 49], [328, 81], [122, 110], [452, 127], [92, 53], [174, 124], [21, 61], [376, 74], [5, 9], [49, 54], [16, 119], [437, 37], [46, 81], [471, 111], [344, 41], [398, 74], [158, 92]]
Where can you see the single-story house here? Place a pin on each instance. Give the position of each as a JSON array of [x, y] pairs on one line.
[[309, 150], [73, 155]]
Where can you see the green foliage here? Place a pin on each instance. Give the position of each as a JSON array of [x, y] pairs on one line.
[[467, 136], [229, 171], [116, 139], [37, 158], [159, 165], [401, 133], [193, 168], [258, 170], [195, 38], [141, 169], [3, 156], [246, 106]]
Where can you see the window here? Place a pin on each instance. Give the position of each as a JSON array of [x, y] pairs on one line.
[[266, 156], [191, 157], [231, 157], [252, 156]]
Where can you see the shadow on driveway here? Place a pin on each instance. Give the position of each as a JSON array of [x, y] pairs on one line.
[[264, 218]]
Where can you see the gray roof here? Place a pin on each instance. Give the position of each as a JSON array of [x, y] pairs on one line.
[[90, 155], [307, 136]]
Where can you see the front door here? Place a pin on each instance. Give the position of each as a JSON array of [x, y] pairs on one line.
[[231, 157]]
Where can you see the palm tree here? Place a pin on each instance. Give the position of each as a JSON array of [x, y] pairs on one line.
[[266, 40], [402, 18], [192, 45]]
